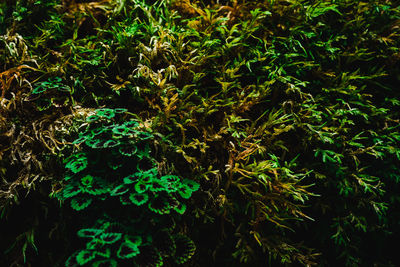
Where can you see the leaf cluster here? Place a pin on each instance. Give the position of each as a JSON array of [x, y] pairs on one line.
[[285, 113]]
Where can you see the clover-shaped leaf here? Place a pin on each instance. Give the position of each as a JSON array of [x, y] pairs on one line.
[[127, 250], [85, 256], [111, 143], [71, 190], [80, 203], [159, 205], [191, 185], [77, 165], [103, 251], [105, 112], [180, 208], [158, 186], [139, 199], [130, 179], [89, 232], [110, 238], [141, 187], [185, 192], [96, 187], [93, 118]]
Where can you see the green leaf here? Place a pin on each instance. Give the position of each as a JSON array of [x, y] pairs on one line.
[[79, 140], [157, 186], [87, 180], [71, 190], [123, 130], [89, 232], [131, 179], [71, 261], [127, 250], [137, 240], [185, 192], [128, 150], [95, 143], [171, 183], [180, 208], [111, 143], [104, 252], [85, 256], [125, 199], [97, 131], [106, 263], [39, 89], [105, 112], [172, 179], [120, 110], [94, 244], [110, 238], [119, 190], [77, 165], [139, 199], [97, 187], [147, 178], [141, 187], [160, 205], [80, 203], [131, 124], [192, 185], [93, 118]]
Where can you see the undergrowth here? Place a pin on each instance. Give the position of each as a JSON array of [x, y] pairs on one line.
[[199, 133]]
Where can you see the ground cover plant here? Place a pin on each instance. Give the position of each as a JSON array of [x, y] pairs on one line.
[[199, 133]]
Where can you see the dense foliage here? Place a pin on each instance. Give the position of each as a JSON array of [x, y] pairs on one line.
[[196, 132]]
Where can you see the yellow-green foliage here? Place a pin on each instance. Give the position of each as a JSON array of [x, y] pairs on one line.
[[286, 113]]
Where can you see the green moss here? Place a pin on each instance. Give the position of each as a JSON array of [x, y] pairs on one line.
[[262, 133]]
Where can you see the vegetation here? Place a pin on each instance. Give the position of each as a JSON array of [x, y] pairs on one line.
[[199, 132]]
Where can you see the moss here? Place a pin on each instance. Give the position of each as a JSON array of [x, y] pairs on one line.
[[260, 132]]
